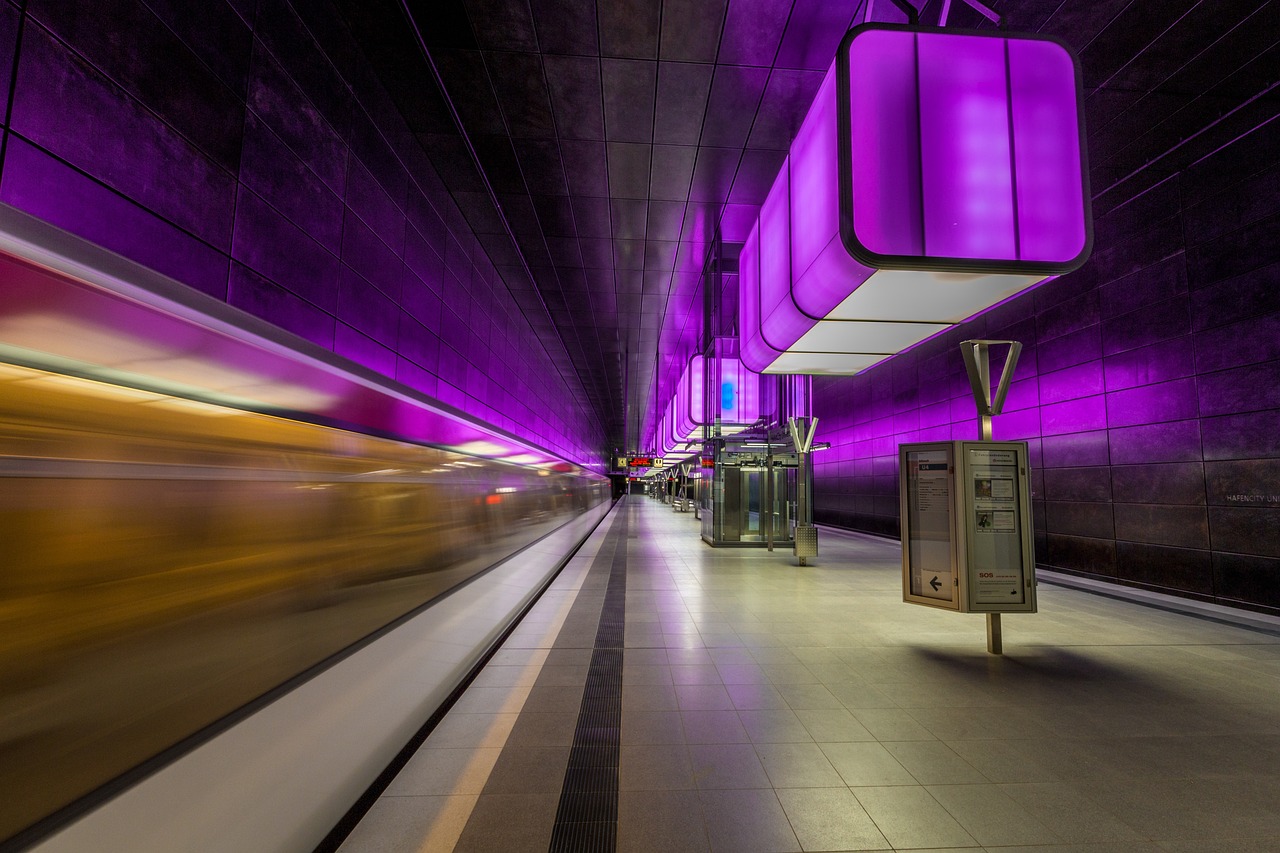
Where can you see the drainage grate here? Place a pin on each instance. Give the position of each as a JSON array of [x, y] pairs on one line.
[[587, 817]]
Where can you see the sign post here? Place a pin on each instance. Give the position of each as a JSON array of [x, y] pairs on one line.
[[967, 541]]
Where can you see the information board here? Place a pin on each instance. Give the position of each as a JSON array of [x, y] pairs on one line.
[[966, 526], [995, 544], [929, 505]]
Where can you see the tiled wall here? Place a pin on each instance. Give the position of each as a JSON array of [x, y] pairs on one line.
[[244, 148], [1148, 389]]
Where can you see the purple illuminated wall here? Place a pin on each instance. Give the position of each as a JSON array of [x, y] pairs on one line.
[[246, 149], [1149, 386]]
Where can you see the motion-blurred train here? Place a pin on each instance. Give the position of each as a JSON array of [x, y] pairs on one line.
[[167, 560]]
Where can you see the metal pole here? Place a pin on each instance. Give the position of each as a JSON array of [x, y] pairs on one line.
[[768, 499], [978, 364]]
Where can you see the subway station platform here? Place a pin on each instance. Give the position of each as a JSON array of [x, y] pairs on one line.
[[759, 706]]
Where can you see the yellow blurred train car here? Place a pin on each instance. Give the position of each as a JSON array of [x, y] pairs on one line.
[[167, 561]]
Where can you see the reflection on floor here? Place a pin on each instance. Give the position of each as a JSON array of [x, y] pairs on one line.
[[768, 707]]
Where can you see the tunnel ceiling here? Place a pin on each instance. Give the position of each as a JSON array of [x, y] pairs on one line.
[[613, 137]]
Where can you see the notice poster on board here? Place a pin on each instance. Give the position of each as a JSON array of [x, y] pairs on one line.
[[929, 503], [995, 543]]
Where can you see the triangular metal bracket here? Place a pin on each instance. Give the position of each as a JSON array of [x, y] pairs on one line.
[[977, 364], [802, 432]]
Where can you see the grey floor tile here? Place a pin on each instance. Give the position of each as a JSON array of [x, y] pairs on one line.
[[909, 817], [705, 673], [458, 731], [655, 767], [797, 765], [830, 819], [727, 765], [780, 725], [649, 697], [755, 697], [932, 762], [444, 772], [491, 700], [535, 770], [534, 729], [641, 727], [747, 821], [991, 817], [866, 765], [642, 674], [411, 825], [713, 727], [886, 724], [544, 700], [703, 697], [833, 726], [668, 821], [1072, 815], [519, 823]]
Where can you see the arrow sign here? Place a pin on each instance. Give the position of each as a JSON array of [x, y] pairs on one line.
[[934, 583]]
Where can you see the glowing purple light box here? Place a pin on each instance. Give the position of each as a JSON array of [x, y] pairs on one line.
[[937, 173]]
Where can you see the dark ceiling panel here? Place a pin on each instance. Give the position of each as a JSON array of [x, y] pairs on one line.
[[591, 215], [628, 99], [628, 170], [672, 172], [787, 97], [814, 32], [542, 167], [474, 97], [629, 28], [713, 174], [588, 173], [683, 89], [556, 215], [629, 216], [566, 26], [503, 24], [755, 175], [522, 93], [752, 32], [575, 96], [735, 95], [691, 29], [665, 219]]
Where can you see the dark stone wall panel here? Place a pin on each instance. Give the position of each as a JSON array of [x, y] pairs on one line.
[[1178, 441], [1185, 569], [1246, 529], [1251, 435], [1093, 520], [9, 19], [1243, 389], [128, 45], [274, 247], [369, 256], [1074, 450], [1080, 554], [283, 106], [1170, 483], [1150, 404], [1247, 482], [1077, 484], [1158, 524], [100, 129], [264, 298], [47, 188], [274, 172], [1247, 579], [1157, 363]]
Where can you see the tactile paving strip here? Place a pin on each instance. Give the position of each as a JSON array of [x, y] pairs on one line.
[[587, 817]]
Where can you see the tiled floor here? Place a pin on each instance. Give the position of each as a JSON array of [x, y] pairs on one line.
[[768, 707]]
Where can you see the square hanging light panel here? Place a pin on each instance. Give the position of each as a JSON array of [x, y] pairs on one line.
[[937, 173]]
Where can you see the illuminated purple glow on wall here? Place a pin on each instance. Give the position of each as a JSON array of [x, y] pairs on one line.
[[932, 227]]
